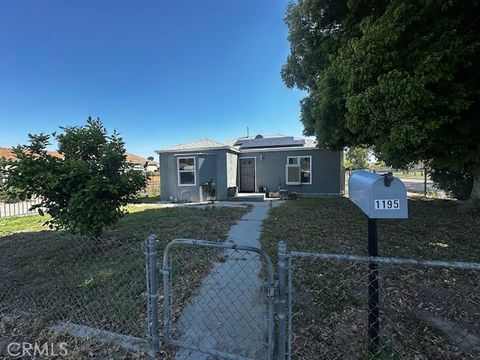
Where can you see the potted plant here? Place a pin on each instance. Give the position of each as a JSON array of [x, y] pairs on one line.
[[209, 187]]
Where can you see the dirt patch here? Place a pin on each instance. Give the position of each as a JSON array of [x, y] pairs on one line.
[[20, 327], [464, 338]]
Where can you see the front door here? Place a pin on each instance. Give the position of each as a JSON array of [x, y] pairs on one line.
[[247, 175]]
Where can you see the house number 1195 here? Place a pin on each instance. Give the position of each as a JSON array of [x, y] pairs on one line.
[[387, 204]]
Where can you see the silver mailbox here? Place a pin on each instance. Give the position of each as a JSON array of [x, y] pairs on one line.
[[378, 197]]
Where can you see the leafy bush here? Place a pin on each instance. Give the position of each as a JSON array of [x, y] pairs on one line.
[[85, 186], [456, 183], [209, 187]]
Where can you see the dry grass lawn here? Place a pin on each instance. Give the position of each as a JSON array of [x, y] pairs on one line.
[[99, 283], [426, 313]]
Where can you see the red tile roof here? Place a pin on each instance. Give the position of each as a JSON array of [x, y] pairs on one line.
[[9, 155], [6, 153]]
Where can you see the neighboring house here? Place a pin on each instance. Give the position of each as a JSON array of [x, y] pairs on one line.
[[251, 164], [140, 163], [6, 153]]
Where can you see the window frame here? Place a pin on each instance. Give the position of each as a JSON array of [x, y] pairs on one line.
[[287, 166], [298, 157], [187, 171]]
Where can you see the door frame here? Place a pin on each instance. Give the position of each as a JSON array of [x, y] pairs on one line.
[[240, 170]]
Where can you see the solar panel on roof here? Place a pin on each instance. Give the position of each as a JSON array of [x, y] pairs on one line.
[[269, 142]]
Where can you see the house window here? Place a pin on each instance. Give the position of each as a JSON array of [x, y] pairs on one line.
[[299, 170], [186, 171]]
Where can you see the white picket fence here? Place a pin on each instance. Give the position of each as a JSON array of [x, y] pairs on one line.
[[19, 208]]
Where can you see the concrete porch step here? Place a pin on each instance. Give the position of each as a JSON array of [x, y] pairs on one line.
[[248, 197]]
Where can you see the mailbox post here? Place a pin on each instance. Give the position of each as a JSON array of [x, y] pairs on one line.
[[373, 289], [379, 197]]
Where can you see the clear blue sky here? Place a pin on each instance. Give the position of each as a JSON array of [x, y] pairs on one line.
[[160, 72]]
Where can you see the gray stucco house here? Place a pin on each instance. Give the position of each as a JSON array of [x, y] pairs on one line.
[[250, 164]]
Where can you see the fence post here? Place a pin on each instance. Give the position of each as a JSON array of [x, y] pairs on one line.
[[166, 292], [282, 298], [152, 285]]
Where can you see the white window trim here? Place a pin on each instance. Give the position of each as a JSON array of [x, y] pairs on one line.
[[181, 171], [298, 164], [286, 175]]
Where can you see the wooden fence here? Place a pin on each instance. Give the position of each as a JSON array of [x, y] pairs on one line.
[[153, 185]]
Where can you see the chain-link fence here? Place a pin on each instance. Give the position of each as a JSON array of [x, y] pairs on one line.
[[416, 180], [425, 309], [97, 284], [218, 299]]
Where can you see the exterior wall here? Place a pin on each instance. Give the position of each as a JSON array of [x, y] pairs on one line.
[[222, 166], [221, 175], [326, 171], [232, 168], [209, 165], [152, 167], [140, 167]]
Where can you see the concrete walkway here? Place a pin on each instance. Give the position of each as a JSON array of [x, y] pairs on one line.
[[229, 312]]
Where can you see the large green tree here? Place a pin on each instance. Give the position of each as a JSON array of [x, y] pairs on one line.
[[398, 76], [357, 158], [84, 187]]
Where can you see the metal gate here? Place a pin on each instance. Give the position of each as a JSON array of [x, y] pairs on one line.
[[218, 300]]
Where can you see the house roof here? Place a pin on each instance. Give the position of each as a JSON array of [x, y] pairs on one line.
[[233, 141], [244, 143], [263, 142], [135, 159], [276, 140], [310, 143], [6, 153], [195, 145]]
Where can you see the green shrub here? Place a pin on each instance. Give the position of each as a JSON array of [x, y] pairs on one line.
[[85, 187], [457, 184]]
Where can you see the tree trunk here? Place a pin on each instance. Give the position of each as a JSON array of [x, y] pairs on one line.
[[475, 194], [473, 202]]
